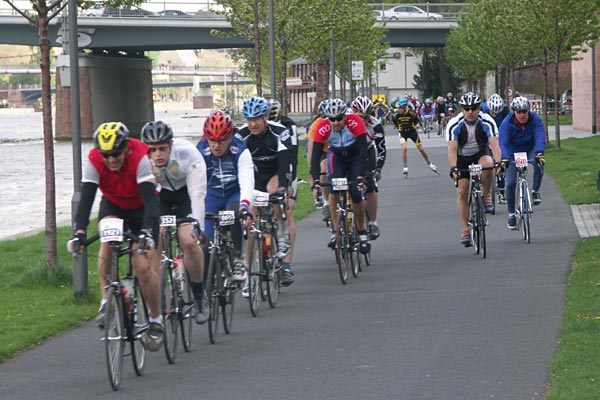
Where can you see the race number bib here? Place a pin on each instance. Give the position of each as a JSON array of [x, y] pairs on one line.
[[111, 230], [475, 169], [339, 183], [226, 217], [521, 159], [261, 199], [168, 220]]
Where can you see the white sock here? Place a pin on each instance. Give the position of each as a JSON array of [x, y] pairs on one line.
[[158, 320]]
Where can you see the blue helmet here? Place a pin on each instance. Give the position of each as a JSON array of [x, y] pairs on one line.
[[255, 107], [403, 102]]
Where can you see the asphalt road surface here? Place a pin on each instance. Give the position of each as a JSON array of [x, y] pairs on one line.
[[427, 320]]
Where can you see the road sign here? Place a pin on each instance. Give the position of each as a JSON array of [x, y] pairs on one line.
[[357, 71]]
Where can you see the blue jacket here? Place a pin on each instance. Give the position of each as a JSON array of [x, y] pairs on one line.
[[514, 139]]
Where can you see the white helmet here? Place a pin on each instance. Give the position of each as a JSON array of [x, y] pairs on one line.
[[335, 108], [520, 104], [495, 103]]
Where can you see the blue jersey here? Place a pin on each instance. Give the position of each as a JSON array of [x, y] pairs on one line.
[[515, 138], [222, 172]]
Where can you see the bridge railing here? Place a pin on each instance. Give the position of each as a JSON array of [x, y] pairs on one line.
[[202, 9]]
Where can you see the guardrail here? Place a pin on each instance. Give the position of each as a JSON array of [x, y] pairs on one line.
[[206, 9]]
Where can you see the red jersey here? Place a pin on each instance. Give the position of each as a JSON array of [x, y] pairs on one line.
[[121, 188], [355, 126]]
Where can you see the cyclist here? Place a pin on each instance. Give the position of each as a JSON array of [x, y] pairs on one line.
[[522, 131], [427, 114], [347, 139], [440, 112], [181, 173], [376, 152], [381, 110], [270, 145], [311, 136], [230, 179], [119, 167], [470, 141], [276, 116], [498, 111], [406, 122], [450, 104]]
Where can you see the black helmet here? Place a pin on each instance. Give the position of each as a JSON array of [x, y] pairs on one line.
[[111, 136], [155, 132]]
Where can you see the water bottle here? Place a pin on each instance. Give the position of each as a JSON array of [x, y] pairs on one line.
[[128, 292], [178, 267]]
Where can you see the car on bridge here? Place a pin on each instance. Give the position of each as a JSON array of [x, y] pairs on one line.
[[127, 11], [409, 12], [174, 14]]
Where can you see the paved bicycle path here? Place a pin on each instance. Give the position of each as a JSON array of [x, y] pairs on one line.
[[428, 320]]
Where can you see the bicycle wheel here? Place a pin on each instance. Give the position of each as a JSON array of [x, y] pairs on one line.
[[114, 337], [526, 212], [273, 268], [254, 274], [139, 321], [481, 228], [493, 191], [186, 312], [473, 222], [353, 244], [340, 248], [227, 297], [212, 290], [168, 293]]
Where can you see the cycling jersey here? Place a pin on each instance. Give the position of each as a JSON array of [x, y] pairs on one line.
[[127, 193], [472, 138], [293, 128], [486, 119], [405, 121], [427, 111], [342, 141], [270, 151], [376, 137], [515, 137], [500, 116], [121, 187], [229, 175], [185, 168], [440, 108]]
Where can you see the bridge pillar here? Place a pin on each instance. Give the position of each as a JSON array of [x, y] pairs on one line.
[[112, 88], [203, 97]]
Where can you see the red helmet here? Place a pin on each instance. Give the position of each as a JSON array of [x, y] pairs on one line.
[[218, 126]]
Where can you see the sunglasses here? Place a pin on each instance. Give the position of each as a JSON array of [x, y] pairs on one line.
[[521, 111], [338, 118], [470, 108], [113, 154]]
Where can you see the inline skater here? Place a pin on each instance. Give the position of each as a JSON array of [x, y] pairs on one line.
[[406, 122]]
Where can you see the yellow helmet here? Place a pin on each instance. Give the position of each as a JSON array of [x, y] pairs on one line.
[[111, 136]]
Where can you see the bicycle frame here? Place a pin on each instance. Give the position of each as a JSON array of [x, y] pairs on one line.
[[523, 210]]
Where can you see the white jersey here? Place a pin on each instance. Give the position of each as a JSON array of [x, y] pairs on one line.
[[485, 118], [185, 167]]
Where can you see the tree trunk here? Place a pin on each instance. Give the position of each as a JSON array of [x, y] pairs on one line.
[[50, 230], [556, 99], [322, 88], [257, 50], [284, 91], [545, 94]]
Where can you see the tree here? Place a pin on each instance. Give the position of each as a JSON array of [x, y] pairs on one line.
[[40, 15]]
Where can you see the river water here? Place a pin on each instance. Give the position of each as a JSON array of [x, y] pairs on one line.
[[23, 194]]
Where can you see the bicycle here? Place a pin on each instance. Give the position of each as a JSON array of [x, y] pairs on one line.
[[476, 213], [264, 267], [523, 210], [126, 318], [347, 255], [177, 302], [220, 287]]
